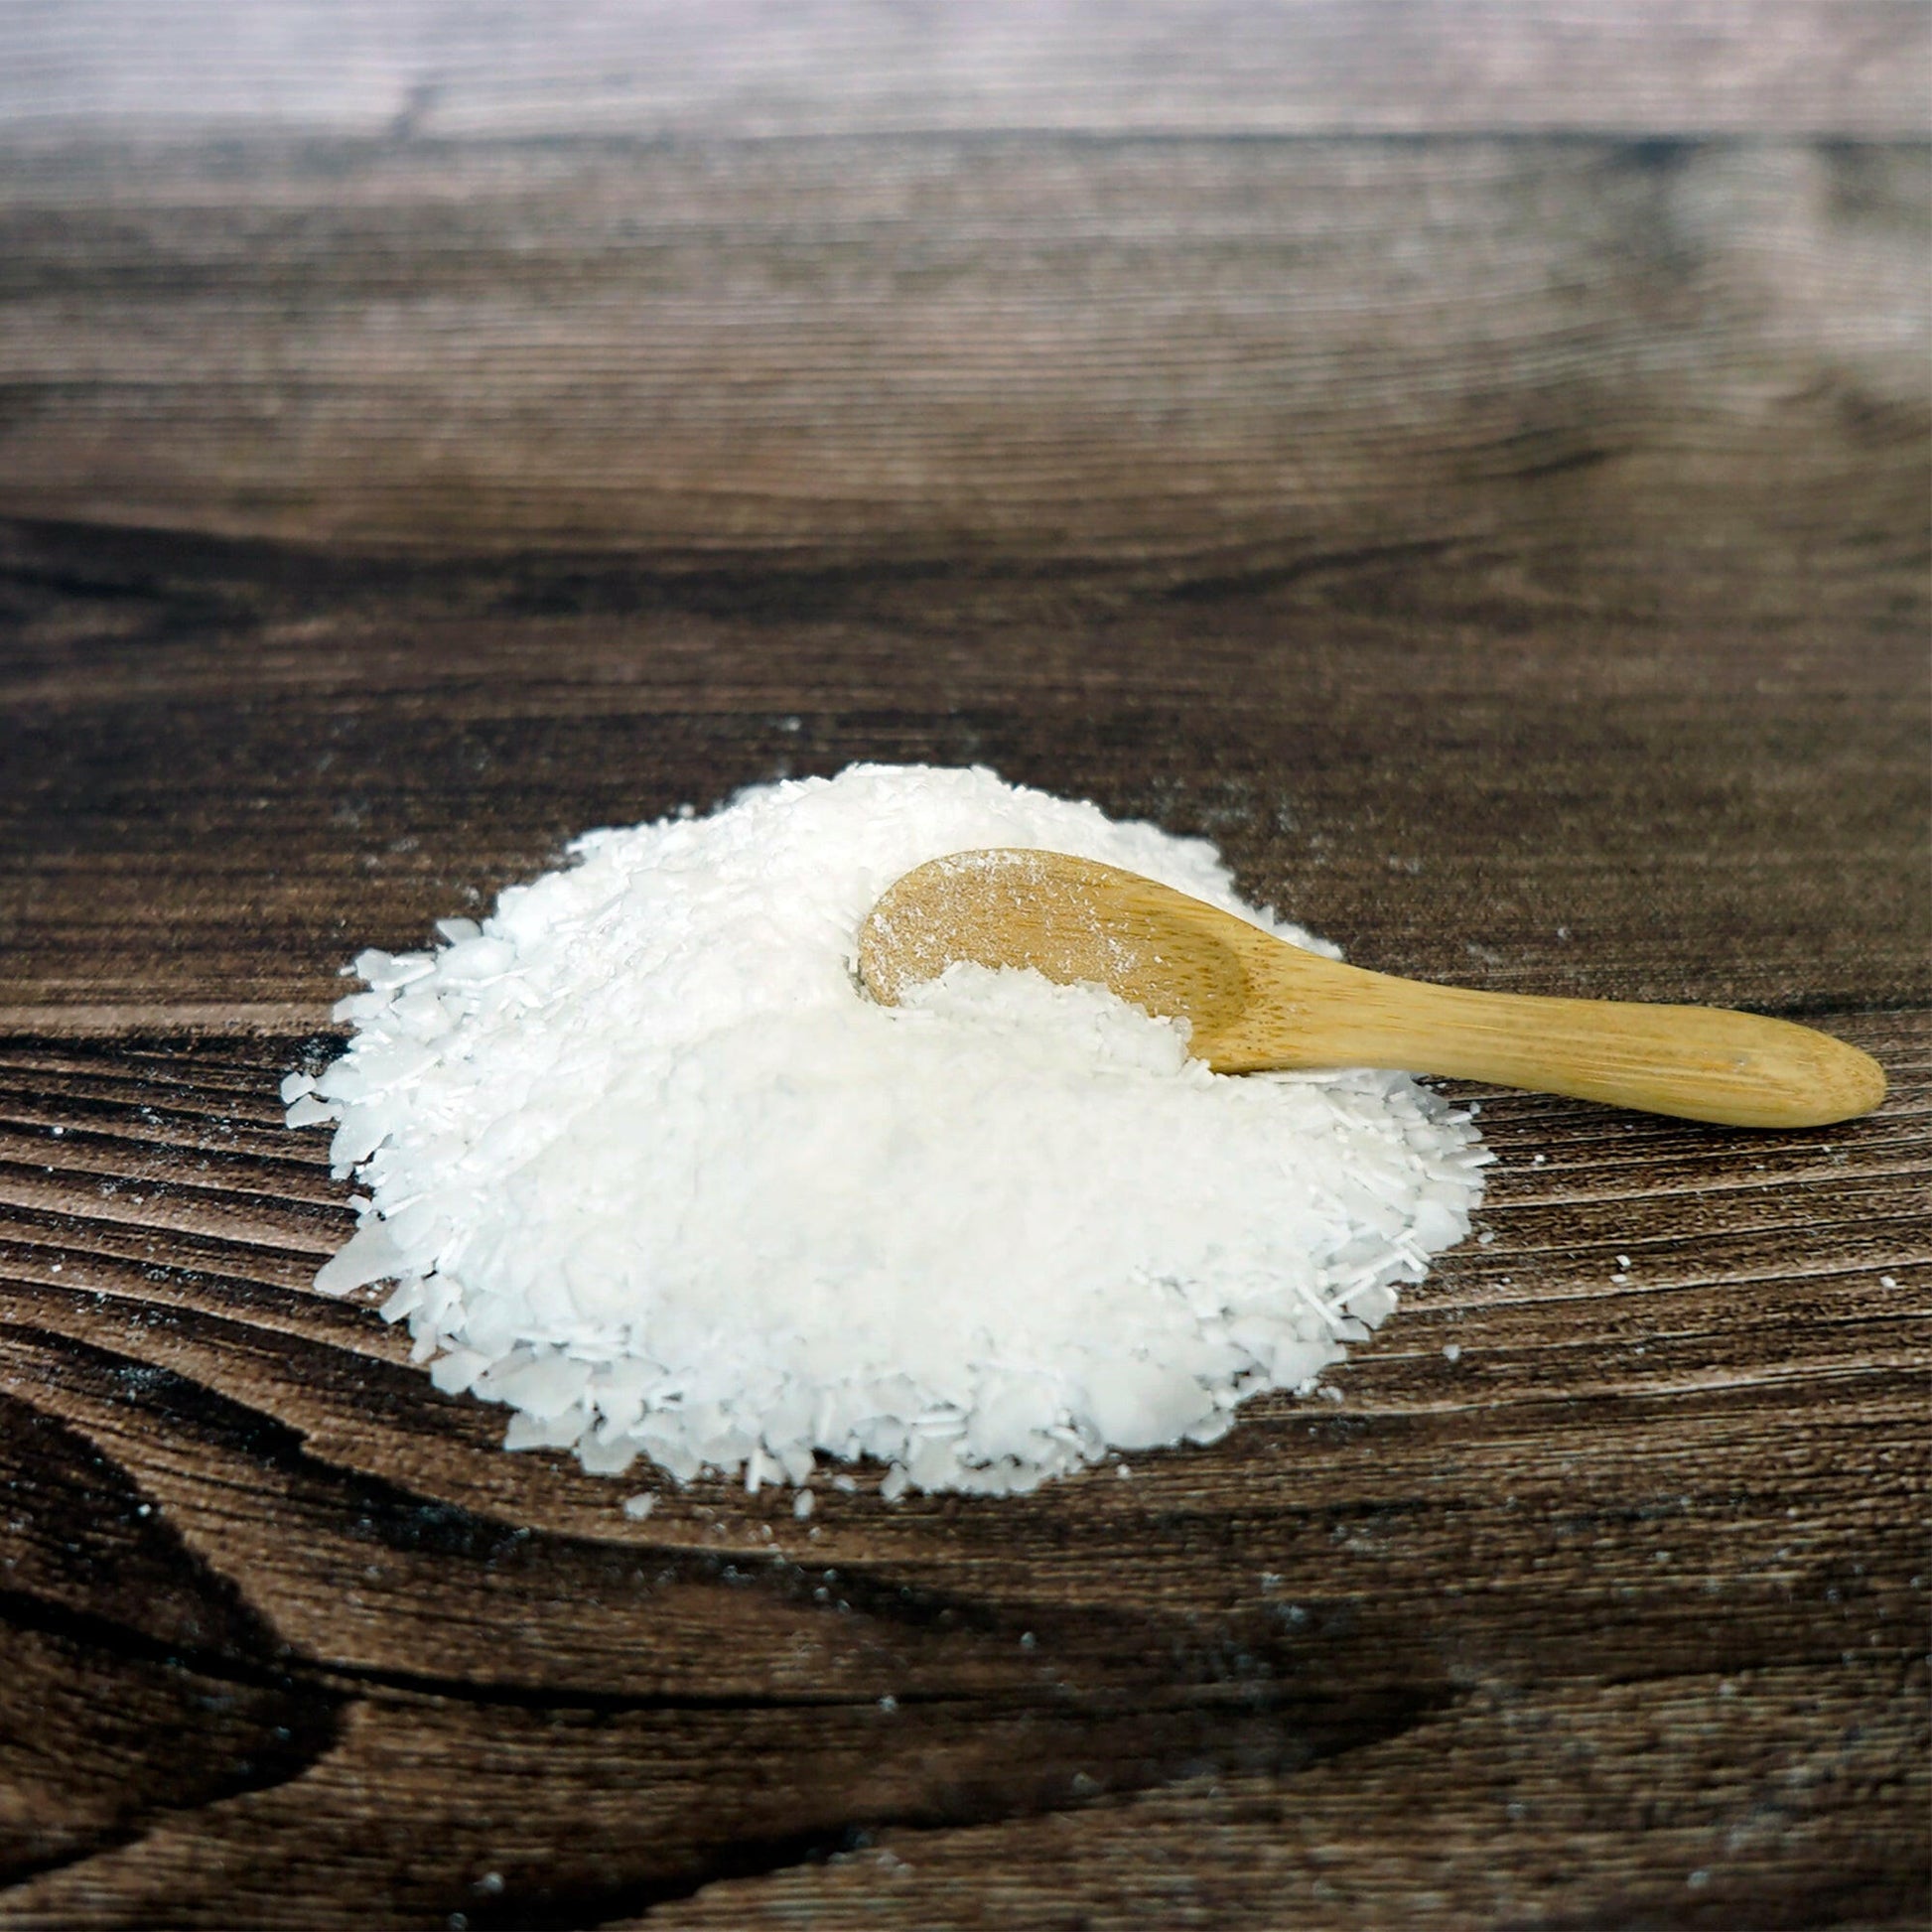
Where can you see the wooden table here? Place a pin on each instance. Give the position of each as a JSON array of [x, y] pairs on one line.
[[1486, 498]]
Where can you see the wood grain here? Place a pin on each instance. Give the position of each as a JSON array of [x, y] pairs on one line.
[[1455, 776], [1553, 361], [659, 69], [1627, 1594], [1469, 461]]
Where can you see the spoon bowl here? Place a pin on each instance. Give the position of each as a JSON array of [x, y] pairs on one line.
[[1253, 1002]]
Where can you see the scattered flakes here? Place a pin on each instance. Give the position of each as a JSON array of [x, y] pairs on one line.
[[639, 1507], [1452, 1351], [803, 1504]]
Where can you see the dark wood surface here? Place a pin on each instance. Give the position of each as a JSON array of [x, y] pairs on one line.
[[1508, 541]]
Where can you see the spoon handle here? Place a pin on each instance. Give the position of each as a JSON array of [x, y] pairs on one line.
[[1696, 1062]]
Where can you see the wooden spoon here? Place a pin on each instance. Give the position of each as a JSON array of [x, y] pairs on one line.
[[1255, 1002]]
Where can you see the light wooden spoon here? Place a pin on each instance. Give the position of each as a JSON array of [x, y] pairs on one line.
[[1255, 1002]]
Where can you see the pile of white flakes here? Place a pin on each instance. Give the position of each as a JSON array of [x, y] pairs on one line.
[[647, 1165]]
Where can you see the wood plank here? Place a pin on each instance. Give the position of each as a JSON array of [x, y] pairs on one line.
[[1453, 1820], [1511, 551], [1552, 358], [1455, 775], [1627, 1594], [666, 69]]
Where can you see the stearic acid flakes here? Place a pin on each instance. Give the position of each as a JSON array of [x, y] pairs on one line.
[[648, 1167]]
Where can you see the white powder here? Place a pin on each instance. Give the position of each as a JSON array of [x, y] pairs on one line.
[[649, 1167]]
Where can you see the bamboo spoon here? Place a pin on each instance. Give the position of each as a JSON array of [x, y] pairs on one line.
[[1255, 1002]]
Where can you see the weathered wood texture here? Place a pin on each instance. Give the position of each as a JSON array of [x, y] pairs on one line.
[[1613, 1619], [1512, 551], [231, 767], [806, 67], [1563, 360]]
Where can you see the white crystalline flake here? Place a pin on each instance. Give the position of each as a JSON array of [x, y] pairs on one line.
[[370, 1255], [1137, 1405], [654, 1173]]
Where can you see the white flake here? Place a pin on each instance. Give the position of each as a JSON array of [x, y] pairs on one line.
[[654, 1173]]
